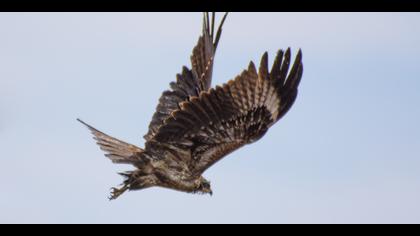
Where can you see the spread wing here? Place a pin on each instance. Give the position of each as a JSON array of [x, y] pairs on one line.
[[190, 82], [239, 112]]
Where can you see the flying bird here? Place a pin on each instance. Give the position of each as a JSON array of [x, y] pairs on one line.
[[195, 125]]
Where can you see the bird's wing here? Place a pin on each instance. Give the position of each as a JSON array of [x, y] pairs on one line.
[[239, 112], [189, 83]]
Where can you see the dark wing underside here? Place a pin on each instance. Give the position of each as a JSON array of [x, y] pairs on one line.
[[190, 82], [223, 119]]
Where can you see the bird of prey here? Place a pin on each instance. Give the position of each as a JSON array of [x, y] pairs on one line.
[[195, 125]]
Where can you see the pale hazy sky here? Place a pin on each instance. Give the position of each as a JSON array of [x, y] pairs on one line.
[[347, 152]]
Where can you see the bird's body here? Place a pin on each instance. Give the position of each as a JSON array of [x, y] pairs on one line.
[[195, 125]]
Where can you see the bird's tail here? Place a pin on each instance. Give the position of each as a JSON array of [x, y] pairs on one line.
[[116, 150]]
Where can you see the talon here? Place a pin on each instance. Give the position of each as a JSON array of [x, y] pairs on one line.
[[116, 192]]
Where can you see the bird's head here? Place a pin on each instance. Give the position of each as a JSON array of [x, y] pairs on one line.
[[204, 187]]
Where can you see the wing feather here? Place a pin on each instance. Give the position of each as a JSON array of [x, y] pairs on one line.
[[189, 83], [239, 112]]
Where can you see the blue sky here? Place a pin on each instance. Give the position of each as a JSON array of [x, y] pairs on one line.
[[347, 152]]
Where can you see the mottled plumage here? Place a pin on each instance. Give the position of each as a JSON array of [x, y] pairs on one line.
[[195, 126]]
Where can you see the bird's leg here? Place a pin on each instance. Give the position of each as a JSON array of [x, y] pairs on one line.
[[116, 192], [133, 182]]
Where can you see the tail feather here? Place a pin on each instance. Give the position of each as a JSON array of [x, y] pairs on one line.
[[116, 150]]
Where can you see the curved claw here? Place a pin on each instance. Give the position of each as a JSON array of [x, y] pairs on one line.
[[116, 192]]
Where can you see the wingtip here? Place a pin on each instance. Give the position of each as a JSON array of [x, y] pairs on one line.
[[263, 70], [251, 66], [224, 17], [299, 53], [219, 30], [265, 55]]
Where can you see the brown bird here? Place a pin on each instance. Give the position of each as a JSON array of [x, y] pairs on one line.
[[195, 126]]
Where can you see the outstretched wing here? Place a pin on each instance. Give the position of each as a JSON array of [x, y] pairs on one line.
[[190, 82], [239, 112]]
